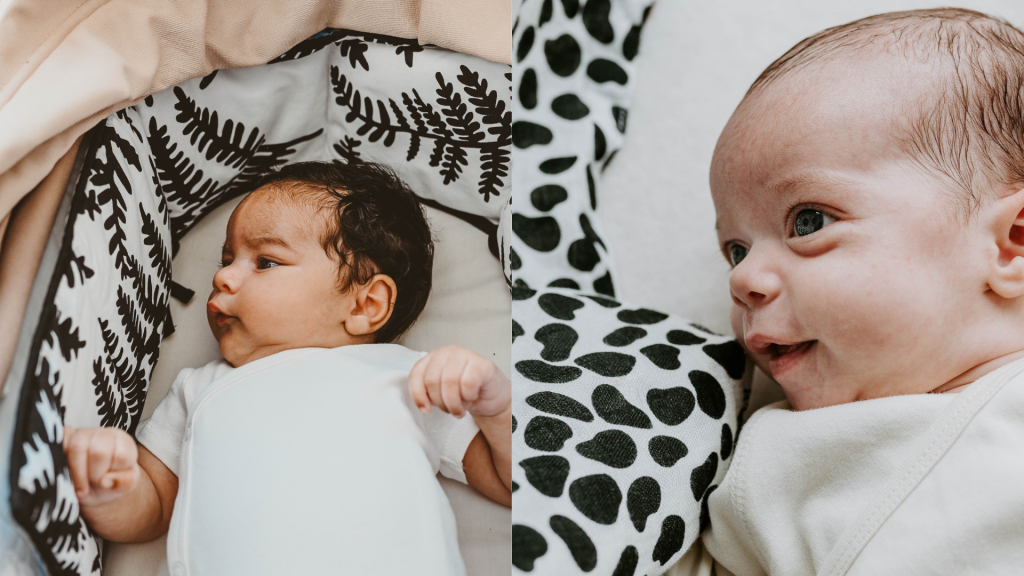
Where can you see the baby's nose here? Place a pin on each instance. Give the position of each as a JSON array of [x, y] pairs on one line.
[[226, 280], [752, 284]]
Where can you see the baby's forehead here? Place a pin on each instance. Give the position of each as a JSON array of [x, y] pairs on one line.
[[273, 211]]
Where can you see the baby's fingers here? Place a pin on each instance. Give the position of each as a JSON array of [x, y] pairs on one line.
[[126, 453], [432, 380], [472, 380], [417, 388], [68, 433], [101, 456], [120, 481], [451, 386], [78, 460]]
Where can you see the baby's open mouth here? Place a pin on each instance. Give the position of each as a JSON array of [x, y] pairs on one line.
[[777, 350], [784, 356]]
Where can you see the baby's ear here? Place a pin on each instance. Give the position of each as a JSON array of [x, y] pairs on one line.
[[1007, 217], [373, 305]]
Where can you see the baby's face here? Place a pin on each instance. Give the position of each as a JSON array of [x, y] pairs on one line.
[[277, 289], [852, 275]]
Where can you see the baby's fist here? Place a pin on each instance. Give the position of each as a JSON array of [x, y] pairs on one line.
[[104, 463], [457, 381]]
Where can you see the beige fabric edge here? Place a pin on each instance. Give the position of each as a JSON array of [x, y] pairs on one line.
[[66, 64], [28, 228]]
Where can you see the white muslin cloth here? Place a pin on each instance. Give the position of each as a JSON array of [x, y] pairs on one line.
[[311, 461]]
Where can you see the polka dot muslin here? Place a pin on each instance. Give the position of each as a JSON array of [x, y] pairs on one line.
[[624, 417]]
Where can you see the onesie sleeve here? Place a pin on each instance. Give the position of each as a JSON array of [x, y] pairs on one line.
[[451, 437], [163, 433]]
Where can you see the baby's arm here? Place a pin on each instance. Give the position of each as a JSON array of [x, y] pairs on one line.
[[126, 494], [458, 381]]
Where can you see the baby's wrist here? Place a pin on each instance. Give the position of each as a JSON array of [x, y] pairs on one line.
[[491, 417]]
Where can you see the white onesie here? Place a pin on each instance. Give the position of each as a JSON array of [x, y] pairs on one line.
[[308, 461]]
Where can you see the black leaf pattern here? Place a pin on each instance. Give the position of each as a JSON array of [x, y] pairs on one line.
[[89, 206], [452, 126], [179, 180], [129, 383], [495, 156], [134, 330], [408, 49], [223, 145], [153, 298], [123, 115], [159, 257], [159, 190], [264, 159], [77, 262], [57, 525], [207, 80], [311, 45], [61, 335], [105, 176], [355, 50], [185, 186], [328, 36], [346, 148]]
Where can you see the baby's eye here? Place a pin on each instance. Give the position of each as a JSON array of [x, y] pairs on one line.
[[737, 253], [809, 221], [224, 262], [264, 264]]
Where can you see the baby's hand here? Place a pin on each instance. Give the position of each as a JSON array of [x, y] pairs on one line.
[[104, 463], [457, 381]]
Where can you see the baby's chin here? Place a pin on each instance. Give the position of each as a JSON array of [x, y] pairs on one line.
[[230, 355]]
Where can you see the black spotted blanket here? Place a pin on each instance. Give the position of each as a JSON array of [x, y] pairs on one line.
[[625, 417]]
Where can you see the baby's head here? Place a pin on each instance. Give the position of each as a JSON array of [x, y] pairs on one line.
[[869, 196], [320, 255]]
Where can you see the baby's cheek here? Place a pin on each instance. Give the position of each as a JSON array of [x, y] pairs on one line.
[[736, 319]]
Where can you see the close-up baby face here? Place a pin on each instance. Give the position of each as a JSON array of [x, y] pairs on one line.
[[851, 272], [277, 288]]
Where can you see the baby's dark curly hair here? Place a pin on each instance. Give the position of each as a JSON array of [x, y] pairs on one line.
[[372, 224]]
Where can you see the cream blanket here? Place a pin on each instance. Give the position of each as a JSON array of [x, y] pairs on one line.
[[923, 484]]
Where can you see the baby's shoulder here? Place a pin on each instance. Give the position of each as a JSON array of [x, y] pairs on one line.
[[203, 375], [393, 356]]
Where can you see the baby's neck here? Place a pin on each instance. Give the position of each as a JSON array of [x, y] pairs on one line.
[[957, 384]]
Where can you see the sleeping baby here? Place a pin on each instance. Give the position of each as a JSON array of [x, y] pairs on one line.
[[869, 191], [323, 267]]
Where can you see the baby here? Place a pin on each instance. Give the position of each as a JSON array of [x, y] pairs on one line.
[[323, 266], [869, 191]]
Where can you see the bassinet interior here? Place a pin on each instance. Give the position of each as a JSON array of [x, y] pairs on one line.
[[147, 175]]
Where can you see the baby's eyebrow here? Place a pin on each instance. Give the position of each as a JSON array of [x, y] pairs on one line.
[[266, 239], [796, 182]]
